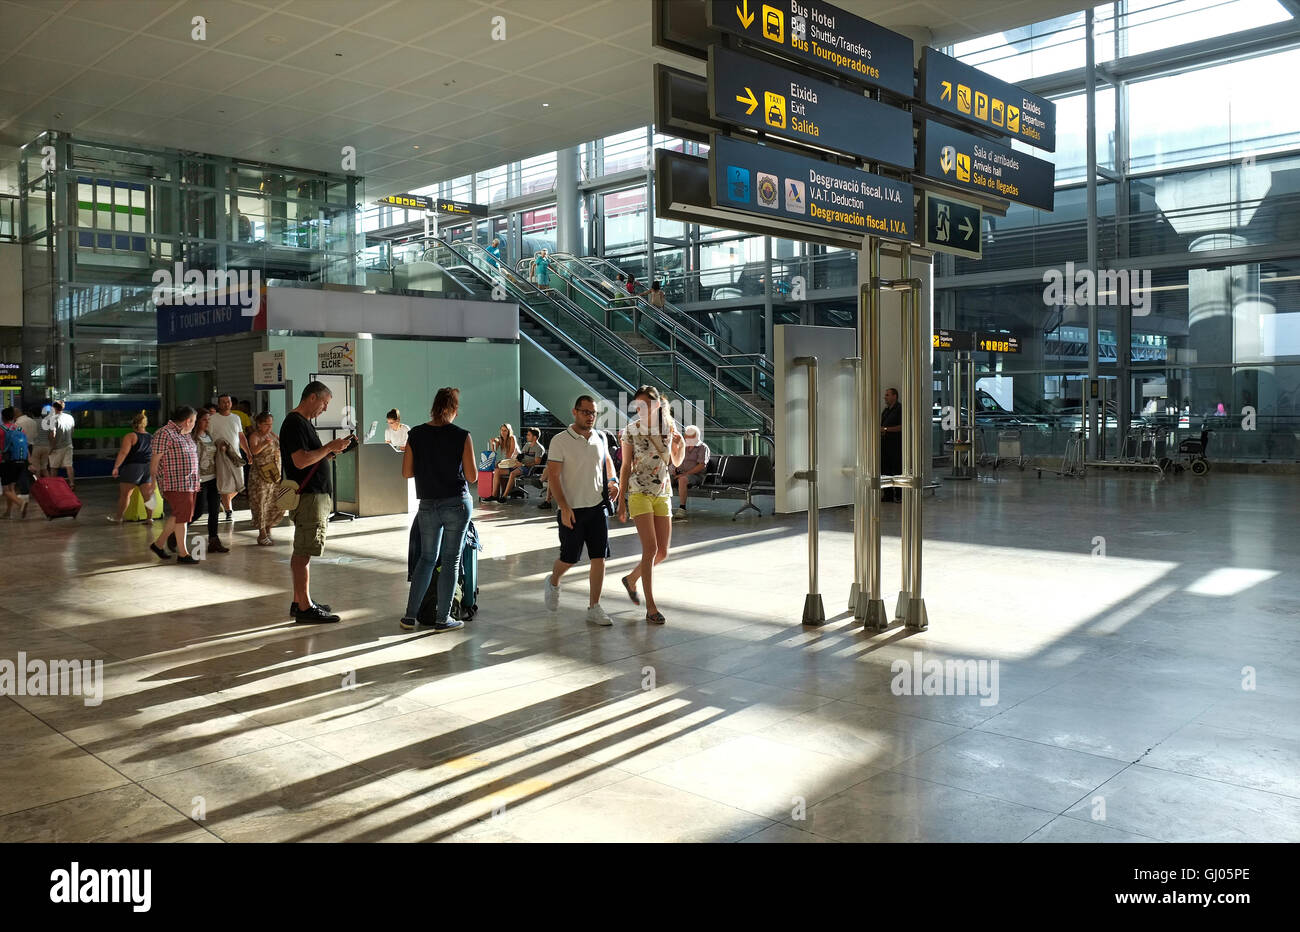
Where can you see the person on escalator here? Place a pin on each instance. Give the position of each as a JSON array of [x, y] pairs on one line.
[[494, 252], [656, 296], [542, 263]]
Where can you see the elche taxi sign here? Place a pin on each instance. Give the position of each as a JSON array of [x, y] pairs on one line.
[[987, 102], [746, 91], [823, 36]]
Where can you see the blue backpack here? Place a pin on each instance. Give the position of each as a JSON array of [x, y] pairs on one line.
[[15, 449]]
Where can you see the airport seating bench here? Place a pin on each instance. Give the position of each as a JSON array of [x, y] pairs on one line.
[[737, 476]]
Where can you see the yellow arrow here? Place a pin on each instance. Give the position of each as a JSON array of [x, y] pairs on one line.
[[746, 17], [751, 100], [947, 90]]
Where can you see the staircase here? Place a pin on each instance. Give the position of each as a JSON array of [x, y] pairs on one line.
[[566, 349]]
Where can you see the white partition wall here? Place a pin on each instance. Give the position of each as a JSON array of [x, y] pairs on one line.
[[836, 427]]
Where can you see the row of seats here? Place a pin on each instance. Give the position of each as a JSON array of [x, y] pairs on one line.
[[737, 476]]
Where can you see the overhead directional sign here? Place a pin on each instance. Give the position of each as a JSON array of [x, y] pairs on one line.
[[955, 87], [951, 340], [823, 36], [774, 183], [972, 162], [952, 226], [997, 343], [747, 91], [463, 208], [409, 201]]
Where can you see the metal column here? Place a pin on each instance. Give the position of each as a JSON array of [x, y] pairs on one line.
[[870, 607], [910, 607], [814, 613]]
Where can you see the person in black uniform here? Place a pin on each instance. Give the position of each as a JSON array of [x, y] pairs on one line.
[[891, 443]]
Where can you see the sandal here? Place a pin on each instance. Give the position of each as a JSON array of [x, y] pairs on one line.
[[631, 592], [655, 618]]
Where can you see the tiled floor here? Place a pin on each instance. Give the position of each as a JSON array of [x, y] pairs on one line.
[[1147, 637]]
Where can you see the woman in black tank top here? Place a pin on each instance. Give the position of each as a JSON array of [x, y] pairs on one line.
[[131, 468], [439, 456]]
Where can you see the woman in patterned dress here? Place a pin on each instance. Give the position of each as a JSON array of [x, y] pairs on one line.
[[651, 443], [264, 478]]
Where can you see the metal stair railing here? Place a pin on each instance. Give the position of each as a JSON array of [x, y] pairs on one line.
[[704, 340], [609, 354], [628, 314]]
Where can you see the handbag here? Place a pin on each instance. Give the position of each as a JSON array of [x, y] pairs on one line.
[[605, 504], [288, 494]]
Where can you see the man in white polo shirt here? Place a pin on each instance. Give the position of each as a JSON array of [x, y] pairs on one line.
[[579, 470], [225, 427]]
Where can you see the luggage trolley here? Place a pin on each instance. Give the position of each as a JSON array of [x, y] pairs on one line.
[[1144, 447], [1009, 448]]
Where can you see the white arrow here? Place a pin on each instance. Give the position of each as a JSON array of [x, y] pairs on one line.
[[965, 227]]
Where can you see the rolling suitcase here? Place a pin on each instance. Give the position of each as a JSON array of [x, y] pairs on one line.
[[56, 498]]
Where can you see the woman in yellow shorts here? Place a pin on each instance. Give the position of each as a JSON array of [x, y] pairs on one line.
[[651, 443]]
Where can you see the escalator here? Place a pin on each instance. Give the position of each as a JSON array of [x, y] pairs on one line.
[[591, 283], [564, 346]]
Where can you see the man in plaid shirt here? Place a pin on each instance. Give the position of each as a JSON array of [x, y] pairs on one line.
[[174, 469]]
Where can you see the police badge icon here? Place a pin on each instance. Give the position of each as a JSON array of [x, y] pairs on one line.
[[769, 190]]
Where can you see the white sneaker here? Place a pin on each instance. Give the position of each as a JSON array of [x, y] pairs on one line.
[[598, 616], [680, 513], [552, 597]]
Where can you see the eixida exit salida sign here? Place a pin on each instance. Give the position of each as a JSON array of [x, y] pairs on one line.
[[747, 92]]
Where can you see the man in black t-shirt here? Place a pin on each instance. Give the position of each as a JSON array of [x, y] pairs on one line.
[[891, 443], [305, 461]]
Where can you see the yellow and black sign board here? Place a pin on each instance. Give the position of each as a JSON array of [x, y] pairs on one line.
[[409, 201], [996, 343], [461, 208], [951, 340], [756, 94], [968, 93]]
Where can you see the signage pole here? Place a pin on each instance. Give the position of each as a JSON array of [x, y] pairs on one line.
[[911, 607], [813, 611], [872, 606]]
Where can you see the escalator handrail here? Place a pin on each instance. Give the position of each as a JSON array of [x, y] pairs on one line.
[[646, 309], [607, 337], [597, 329], [677, 318]]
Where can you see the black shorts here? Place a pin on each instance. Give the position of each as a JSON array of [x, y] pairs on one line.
[[590, 529], [11, 471]]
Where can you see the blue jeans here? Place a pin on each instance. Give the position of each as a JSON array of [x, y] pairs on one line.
[[443, 523]]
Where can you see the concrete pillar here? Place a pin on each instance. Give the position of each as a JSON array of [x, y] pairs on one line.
[[568, 206]]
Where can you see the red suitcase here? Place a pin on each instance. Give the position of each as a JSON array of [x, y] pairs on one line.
[[56, 498]]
